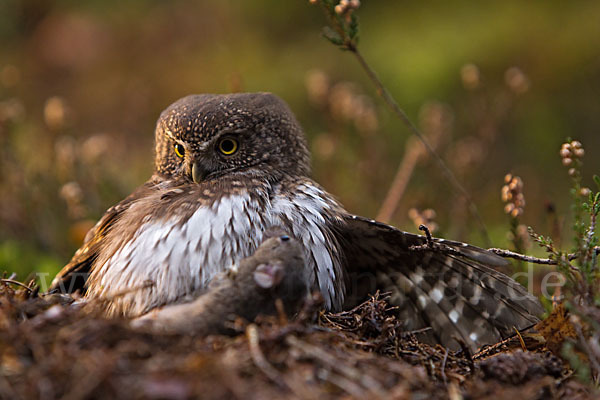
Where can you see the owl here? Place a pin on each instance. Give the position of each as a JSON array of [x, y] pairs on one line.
[[230, 167]]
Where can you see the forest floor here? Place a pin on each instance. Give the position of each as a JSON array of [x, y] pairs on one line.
[[49, 351]]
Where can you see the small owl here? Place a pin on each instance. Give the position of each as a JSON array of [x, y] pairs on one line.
[[230, 167]]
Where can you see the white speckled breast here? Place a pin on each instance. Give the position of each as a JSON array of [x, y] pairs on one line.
[[182, 257]]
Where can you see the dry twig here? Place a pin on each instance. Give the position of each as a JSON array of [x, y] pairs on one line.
[[13, 282]]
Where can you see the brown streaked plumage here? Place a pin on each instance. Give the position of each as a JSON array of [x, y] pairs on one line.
[[230, 167]]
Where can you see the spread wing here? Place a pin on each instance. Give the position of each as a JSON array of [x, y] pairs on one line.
[[449, 286], [73, 276]]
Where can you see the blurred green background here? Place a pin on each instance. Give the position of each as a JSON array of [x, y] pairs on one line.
[[501, 84]]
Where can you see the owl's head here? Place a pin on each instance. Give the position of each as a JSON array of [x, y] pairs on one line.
[[203, 137]]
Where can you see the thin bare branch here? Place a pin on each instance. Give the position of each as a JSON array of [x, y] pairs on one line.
[[259, 358], [443, 369], [531, 259], [348, 42], [425, 229], [13, 282], [391, 103]]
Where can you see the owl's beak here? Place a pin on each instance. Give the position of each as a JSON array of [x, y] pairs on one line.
[[198, 172]]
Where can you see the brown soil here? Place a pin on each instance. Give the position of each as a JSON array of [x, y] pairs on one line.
[[51, 350]]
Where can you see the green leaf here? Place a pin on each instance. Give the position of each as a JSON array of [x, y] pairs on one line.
[[597, 180], [353, 29], [332, 36]]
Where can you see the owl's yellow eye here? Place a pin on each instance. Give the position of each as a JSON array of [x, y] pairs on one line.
[[228, 146], [179, 150]]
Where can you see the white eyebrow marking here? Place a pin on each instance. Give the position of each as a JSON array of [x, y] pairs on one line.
[[170, 135], [203, 146], [168, 132]]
